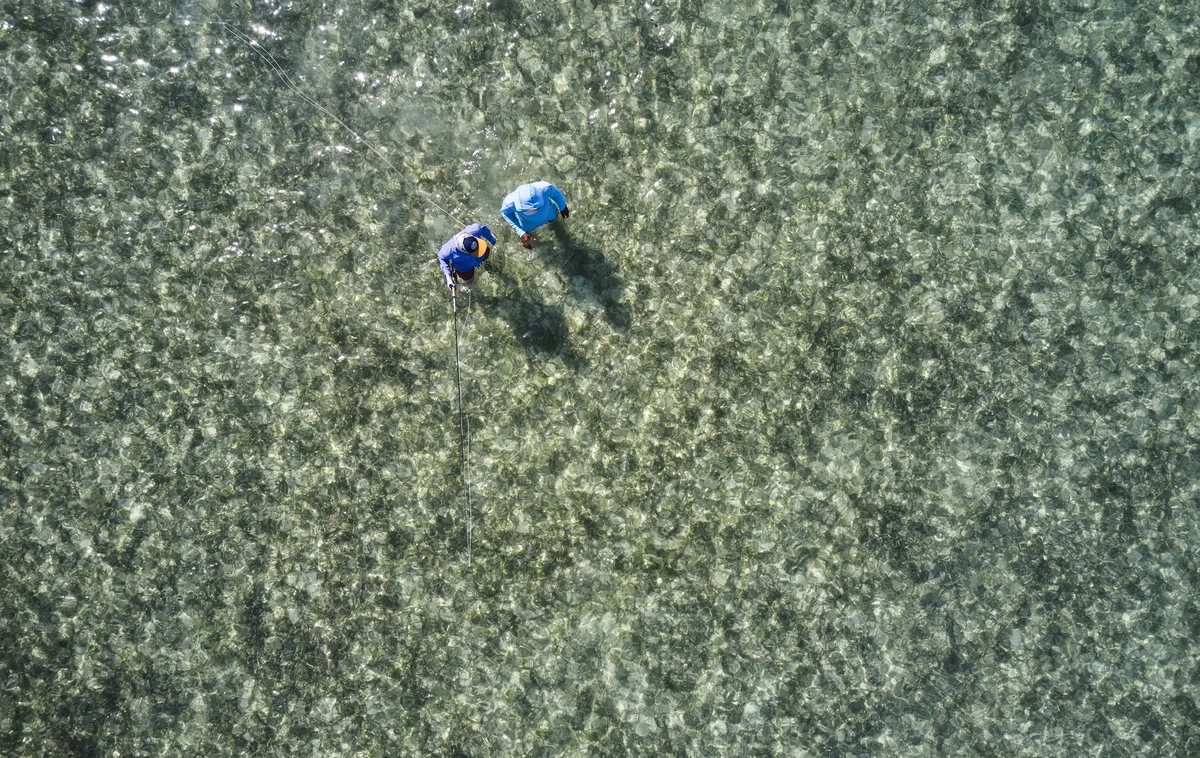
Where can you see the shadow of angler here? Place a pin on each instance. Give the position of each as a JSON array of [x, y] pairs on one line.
[[600, 282], [540, 328]]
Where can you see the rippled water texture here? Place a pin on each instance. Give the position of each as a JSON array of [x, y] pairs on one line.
[[852, 412]]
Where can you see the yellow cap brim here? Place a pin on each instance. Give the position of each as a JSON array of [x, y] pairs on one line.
[[482, 249]]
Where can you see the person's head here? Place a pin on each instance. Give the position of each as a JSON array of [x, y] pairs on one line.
[[527, 200], [475, 246]]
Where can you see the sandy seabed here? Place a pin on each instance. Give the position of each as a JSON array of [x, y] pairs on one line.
[[852, 412]]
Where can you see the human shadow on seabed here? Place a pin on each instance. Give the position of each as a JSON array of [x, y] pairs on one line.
[[540, 328], [591, 276]]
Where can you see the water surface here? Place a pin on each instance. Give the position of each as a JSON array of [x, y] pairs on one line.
[[852, 412]]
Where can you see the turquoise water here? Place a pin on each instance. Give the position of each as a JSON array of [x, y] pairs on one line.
[[852, 412]]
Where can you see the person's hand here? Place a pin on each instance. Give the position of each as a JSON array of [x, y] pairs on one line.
[[450, 283], [527, 240], [566, 212]]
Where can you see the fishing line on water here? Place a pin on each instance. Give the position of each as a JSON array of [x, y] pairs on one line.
[[263, 53], [464, 421]]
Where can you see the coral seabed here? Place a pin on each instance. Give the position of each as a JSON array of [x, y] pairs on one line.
[[853, 411]]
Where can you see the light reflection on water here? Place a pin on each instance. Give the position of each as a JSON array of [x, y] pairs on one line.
[[849, 413]]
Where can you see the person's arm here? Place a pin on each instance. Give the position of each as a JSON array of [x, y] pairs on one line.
[[446, 271], [559, 199], [509, 212], [481, 231]]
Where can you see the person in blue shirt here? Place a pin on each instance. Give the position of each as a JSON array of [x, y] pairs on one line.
[[532, 205], [465, 252]]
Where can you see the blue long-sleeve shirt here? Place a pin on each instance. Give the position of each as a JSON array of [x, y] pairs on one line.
[[454, 255], [544, 198]]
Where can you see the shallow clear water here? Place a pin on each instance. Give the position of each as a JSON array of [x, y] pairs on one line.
[[852, 412]]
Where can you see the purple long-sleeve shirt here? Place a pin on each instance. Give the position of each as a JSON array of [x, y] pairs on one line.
[[454, 257]]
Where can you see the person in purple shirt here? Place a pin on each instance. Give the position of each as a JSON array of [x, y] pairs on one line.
[[532, 205], [465, 252]]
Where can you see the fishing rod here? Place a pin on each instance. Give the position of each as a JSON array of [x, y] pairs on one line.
[[464, 422]]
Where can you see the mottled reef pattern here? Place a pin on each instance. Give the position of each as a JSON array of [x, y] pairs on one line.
[[852, 412]]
